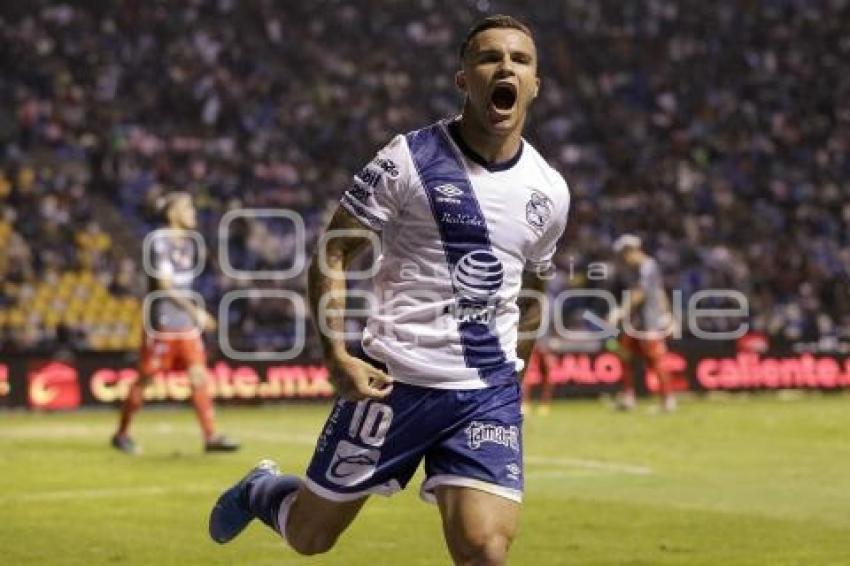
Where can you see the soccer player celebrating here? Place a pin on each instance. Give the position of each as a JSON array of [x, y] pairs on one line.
[[646, 309], [176, 323], [469, 214]]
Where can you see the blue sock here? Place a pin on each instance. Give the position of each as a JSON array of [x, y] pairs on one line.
[[265, 494]]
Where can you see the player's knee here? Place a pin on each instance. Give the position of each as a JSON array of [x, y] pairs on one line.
[[486, 549], [309, 542], [197, 375], [144, 379]]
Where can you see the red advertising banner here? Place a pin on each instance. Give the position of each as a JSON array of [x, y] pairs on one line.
[[52, 386], [748, 370], [601, 370], [99, 379], [225, 382], [5, 386]]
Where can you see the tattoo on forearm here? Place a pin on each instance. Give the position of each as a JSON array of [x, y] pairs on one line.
[[326, 283], [530, 315]]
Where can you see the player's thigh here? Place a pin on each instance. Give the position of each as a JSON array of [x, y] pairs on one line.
[[316, 522], [479, 526], [628, 346], [156, 355], [653, 350], [476, 476], [191, 355]]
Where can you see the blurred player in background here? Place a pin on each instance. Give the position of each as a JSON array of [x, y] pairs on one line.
[[469, 215], [646, 319], [176, 323], [539, 359], [546, 347]]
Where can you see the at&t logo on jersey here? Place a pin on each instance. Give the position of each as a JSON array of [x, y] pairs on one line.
[[477, 277], [479, 433]]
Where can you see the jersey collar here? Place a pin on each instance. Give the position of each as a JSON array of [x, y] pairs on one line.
[[454, 132]]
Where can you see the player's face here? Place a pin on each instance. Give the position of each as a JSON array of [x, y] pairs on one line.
[[631, 257], [184, 214], [499, 77]]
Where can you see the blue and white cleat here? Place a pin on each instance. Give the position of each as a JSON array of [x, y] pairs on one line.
[[231, 515]]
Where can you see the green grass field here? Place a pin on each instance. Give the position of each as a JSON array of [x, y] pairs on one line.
[[730, 481]]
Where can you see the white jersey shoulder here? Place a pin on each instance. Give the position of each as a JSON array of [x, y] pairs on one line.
[[456, 235]]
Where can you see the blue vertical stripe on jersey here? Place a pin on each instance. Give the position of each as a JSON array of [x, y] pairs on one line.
[[463, 229]]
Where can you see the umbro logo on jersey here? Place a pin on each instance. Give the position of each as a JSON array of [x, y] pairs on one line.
[[449, 193], [514, 471]]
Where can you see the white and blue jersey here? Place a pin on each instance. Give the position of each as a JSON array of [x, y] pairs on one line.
[[457, 235]]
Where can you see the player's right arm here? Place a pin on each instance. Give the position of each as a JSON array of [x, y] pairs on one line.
[[353, 378]]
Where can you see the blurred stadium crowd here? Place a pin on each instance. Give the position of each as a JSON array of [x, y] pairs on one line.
[[718, 131]]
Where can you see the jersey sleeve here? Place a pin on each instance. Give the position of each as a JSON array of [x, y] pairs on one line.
[[160, 258], [650, 278], [540, 258], [378, 191]]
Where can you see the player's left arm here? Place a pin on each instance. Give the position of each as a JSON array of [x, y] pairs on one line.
[[538, 268], [530, 313], [635, 299]]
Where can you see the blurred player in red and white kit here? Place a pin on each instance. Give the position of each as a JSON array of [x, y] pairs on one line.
[[645, 313], [176, 323], [539, 359], [545, 352]]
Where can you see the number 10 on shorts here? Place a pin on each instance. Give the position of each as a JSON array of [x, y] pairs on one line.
[[370, 422]]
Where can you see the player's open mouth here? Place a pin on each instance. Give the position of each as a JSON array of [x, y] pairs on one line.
[[503, 97]]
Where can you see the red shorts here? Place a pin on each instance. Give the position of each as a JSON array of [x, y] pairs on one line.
[[647, 348], [171, 354]]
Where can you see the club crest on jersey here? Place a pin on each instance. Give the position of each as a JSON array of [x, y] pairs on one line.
[[477, 277], [449, 193], [478, 433], [538, 210]]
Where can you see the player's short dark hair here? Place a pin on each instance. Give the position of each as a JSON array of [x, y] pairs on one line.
[[496, 21]]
